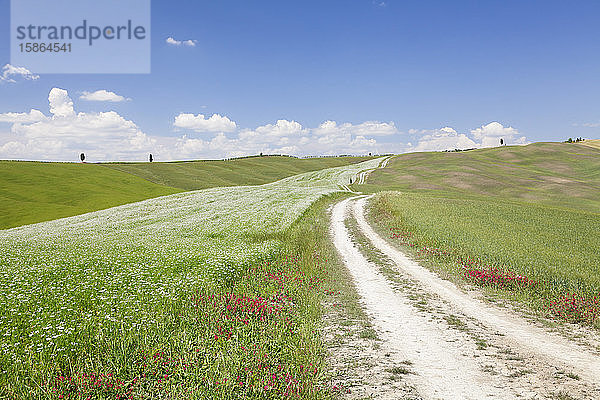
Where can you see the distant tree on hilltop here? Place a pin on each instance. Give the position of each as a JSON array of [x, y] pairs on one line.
[[82, 157], [151, 158]]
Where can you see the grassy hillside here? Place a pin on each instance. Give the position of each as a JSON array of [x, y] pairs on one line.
[[520, 221], [212, 294], [33, 192], [194, 175], [558, 174]]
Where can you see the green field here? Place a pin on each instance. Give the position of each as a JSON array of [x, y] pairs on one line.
[[556, 174], [34, 192], [205, 294], [218, 293], [194, 175], [531, 211]]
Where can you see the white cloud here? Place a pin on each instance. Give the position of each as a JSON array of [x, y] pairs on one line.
[[198, 123], [102, 95], [281, 128], [190, 42], [189, 147], [370, 128], [10, 73], [445, 138], [173, 42], [489, 135], [448, 138], [61, 104], [30, 117], [64, 133], [589, 124], [281, 137]]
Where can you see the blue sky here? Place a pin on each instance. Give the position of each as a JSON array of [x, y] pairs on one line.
[[420, 66]]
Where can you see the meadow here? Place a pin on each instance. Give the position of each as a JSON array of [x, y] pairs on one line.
[[204, 294], [34, 192], [256, 170], [562, 175], [510, 230], [40, 191]]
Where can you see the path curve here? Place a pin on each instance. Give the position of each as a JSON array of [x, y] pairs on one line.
[[362, 176], [442, 369], [552, 347]]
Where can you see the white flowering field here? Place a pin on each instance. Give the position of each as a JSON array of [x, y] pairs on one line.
[[77, 287]]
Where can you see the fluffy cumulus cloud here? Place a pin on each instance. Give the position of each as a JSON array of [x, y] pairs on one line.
[[61, 104], [448, 138], [442, 139], [369, 128], [489, 135], [30, 117], [190, 42], [102, 95], [285, 137], [198, 123], [63, 133], [11, 74]]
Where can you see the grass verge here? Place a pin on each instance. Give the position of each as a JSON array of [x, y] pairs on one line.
[[258, 336], [541, 256]]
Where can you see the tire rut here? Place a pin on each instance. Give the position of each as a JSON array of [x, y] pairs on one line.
[[454, 352]]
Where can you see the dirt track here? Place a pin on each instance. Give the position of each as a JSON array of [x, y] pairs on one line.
[[443, 341]]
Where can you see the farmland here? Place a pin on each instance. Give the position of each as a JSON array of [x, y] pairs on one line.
[[563, 175], [521, 222], [34, 192], [169, 295], [195, 175], [220, 292]]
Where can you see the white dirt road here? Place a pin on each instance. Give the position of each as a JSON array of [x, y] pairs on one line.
[[362, 176], [518, 360]]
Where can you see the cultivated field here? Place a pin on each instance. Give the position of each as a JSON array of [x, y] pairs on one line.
[[523, 220], [557, 174], [595, 143], [34, 192], [194, 175], [291, 289], [167, 295]]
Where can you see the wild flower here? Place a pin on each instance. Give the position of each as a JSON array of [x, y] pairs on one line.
[[570, 307], [95, 288]]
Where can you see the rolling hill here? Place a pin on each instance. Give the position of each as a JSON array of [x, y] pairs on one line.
[[529, 211], [33, 192], [557, 174], [194, 175]]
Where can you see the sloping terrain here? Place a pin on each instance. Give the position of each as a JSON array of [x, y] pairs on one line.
[[194, 175], [530, 210], [447, 343], [557, 174], [595, 143], [455, 235], [200, 291], [33, 192]]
